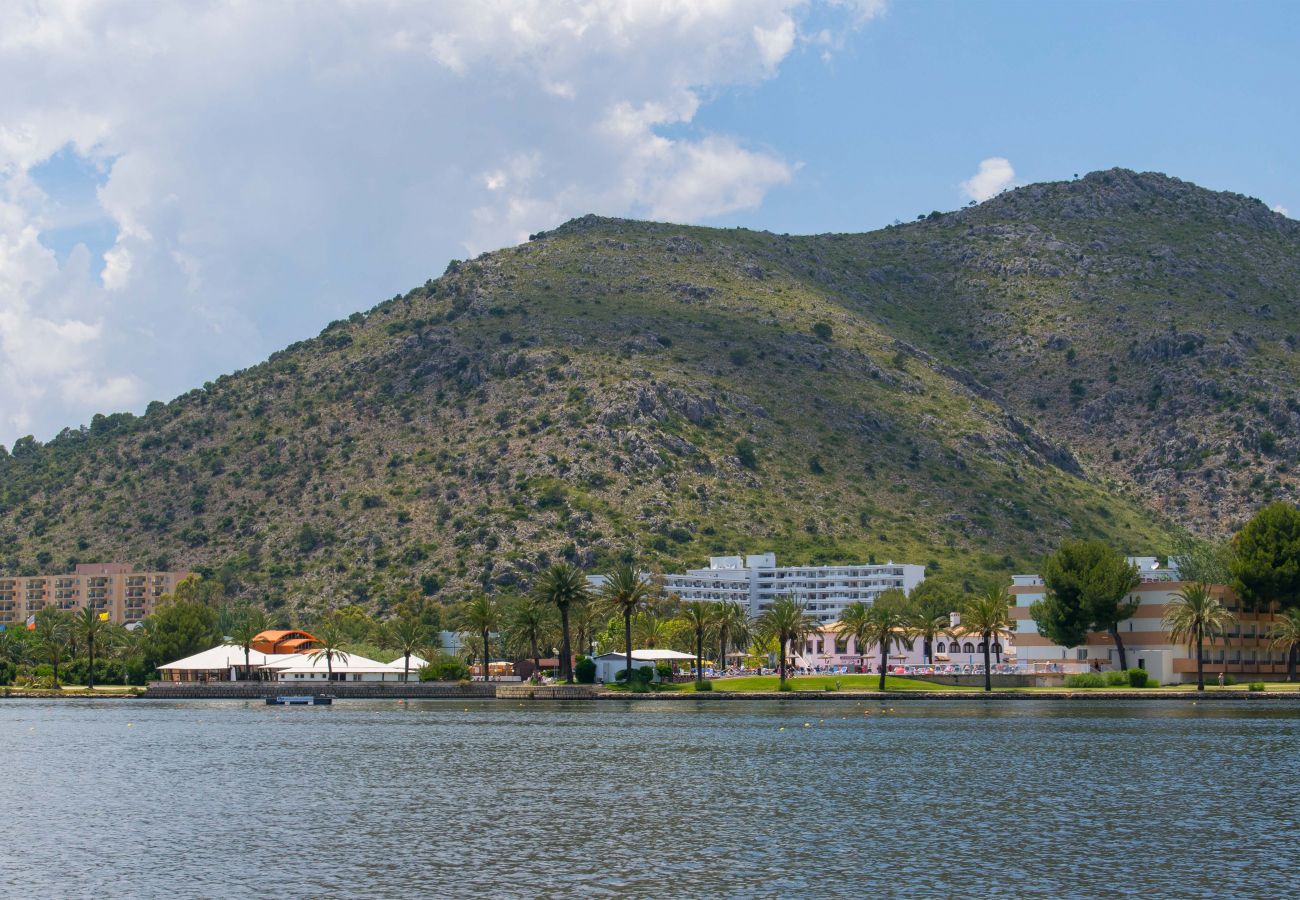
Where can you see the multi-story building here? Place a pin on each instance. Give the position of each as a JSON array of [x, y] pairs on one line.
[[1245, 654], [115, 588], [755, 581]]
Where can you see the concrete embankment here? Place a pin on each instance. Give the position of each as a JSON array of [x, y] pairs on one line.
[[352, 690]]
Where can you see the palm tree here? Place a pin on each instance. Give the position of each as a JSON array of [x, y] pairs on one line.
[[247, 626], [731, 622], [53, 633], [89, 625], [406, 635], [1192, 616], [1285, 636], [563, 585], [698, 617], [625, 592], [885, 623], [529, 624], [482, 616], [988, 615], [651, 631], [329, 644], [584, 626], [786, 621]]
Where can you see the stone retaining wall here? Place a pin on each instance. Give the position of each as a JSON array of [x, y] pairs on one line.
[[370, 690]]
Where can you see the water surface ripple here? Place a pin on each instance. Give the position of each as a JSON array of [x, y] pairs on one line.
[[648, 799]]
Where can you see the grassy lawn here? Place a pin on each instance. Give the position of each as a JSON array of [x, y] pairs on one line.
[[759, 683]]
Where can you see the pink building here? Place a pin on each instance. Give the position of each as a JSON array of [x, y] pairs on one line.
[[827, 650]]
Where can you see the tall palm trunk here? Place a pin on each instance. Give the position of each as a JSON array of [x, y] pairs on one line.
[[781, 662], [1119, 645], [884, 660], [247, 663], [988, 670], [566, 651], [627, 646], [699, 655], [722, 649], [1200, 660], [406, 666], [926, 646], [1290, 662], [487, 675], [537, 657], [329, 666], [90, 673]]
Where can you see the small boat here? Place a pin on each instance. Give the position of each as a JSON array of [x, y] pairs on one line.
[[293, 700], [323, 700]]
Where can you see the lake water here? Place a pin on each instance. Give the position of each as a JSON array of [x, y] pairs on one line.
[[649, 799]]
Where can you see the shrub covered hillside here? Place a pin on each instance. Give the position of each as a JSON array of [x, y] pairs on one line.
[[1112, 357]]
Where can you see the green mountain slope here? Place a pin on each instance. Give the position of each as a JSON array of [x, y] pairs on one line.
[[1111, 356]]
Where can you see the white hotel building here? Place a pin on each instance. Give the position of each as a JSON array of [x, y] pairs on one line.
[[755, 581]]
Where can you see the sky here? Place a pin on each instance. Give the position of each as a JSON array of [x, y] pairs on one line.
[[186, 188]]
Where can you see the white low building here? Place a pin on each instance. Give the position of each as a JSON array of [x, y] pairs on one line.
[[224, 662], [608, 665], [755, 581], [306, 668]]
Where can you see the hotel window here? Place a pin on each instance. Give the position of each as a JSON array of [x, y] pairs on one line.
[[967, 647], [939, 647]]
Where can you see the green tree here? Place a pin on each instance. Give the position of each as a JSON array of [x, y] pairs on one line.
[[482, 616], [1284, 634], [731, 626], [528, 623], [625, 593], [933, 601], [1266, 565], [247, 626], [785, 622], [178, 629], [697, 616], [1087, 589], [90, 626], [407, 634], [1209, 562], [988, 615], [886, 623], [330, 641], [53, 634], [562, 586], [1193, 616]]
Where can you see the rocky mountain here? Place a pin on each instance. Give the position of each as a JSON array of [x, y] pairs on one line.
[[1112, 356]]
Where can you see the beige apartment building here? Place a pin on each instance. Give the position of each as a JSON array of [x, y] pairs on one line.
[[126, 595], [1245, 652]]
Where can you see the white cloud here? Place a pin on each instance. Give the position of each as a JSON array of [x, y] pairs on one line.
[[994, 176], [259, 188], [1279, 208]]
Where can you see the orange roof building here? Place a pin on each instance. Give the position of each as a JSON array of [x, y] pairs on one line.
[[284, 642]]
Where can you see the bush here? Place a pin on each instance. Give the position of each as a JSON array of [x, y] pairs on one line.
[[445, 668], [585, 670], [7, 671], [746, 453], [644, 675], [664, 669], [1256, 686], [1151, 682], [1228, 679], [1086, 680], [823, 331], [704, 685], [1116, 679], [785, 686], [1138, 678]]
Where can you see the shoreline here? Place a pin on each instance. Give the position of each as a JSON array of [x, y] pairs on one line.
[[552, 693]]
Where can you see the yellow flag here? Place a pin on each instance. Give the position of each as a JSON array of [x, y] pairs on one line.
[[103, 617]]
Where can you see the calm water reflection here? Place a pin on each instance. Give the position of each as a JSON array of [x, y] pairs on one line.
[[657, 799]]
